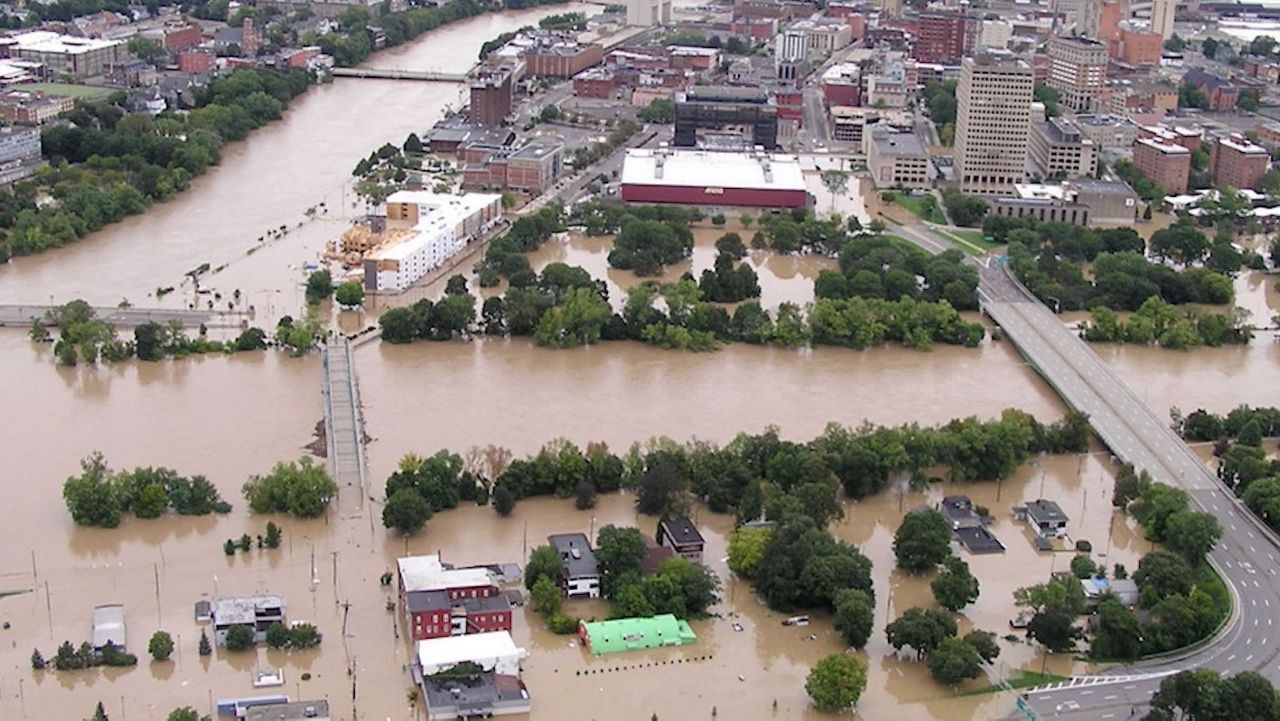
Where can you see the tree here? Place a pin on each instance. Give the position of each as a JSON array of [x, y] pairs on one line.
[[349, 294], [854, 617], [272, 539], [1209, 47], [584, 496], [251, 339], [964, 209], [1161, 574], [91, 497], [1117, 636], [1054, 629], [984, 642], [504, 501], [205, 648], [836, 682], [1049, 96], [922, 630], [659, 110], [922, 541], [746, 548], [37, 661], [456, 285], [185, 713], [1182, 243], [543, 562], [954, 661], [302, 489], [546, 597], [319, 286], [100, 713], [277, 636], [955, 587], [406, 511], [836, 182], [619, 553], [660, 488], [1192, 534], [161, 646], [412, 144], [239, 638], [1083, 567]]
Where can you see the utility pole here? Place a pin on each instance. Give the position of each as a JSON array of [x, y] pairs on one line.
[[48, 606], [335, 576], [524, 551], [35, 575], [156, 571]]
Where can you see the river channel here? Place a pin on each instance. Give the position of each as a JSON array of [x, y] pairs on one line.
[[229, 417]]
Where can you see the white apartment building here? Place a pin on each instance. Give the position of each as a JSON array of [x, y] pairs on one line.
[[64, 56], [825, 35], [443, 225], [1078, 71], [993, 116], [1162, 17]]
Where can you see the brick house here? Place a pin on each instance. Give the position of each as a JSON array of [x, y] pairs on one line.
[[440, 600]]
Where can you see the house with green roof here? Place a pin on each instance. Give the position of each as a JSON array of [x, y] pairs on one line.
[[632, 634]]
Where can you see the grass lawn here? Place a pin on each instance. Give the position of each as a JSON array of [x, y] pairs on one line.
[[970, 241], [924, 207], [84, 92], [1023, 679]]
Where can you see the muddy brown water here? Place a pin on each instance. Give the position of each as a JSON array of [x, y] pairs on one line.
[[228, 417]]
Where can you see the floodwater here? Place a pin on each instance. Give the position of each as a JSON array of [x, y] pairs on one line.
[[230, 417]]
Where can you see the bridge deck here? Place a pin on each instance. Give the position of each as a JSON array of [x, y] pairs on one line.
[[344, 428]]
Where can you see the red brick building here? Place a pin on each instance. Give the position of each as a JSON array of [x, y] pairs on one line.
[[192, 62], [759, 29], [181, 35], [439, 600], [1140, 48], [594, 83], [561, 60], [1164, 163], [943, 37], [1236, 162], [1222, 94]]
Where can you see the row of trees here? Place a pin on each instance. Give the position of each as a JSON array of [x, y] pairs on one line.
[[872, 266], [1158, 322], [83, 336], [1120, 280], [106, 165], [99, 496], [301, 489]]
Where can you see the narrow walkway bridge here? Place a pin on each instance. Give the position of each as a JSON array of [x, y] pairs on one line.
[[432, 76], [27, 315], [343, 425]]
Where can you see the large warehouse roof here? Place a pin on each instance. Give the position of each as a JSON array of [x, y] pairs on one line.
[[486, 650], [706, 169]]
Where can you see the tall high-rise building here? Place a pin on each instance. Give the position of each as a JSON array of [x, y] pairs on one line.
[[1162, 17], [1089, 18], [945, 37], [790, 53], [1078, 71], [648, 12], [993, 119]]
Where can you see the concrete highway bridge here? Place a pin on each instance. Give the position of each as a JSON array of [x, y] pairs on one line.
[[396, 74], [343, 424], [27, 315], [1247, 557]]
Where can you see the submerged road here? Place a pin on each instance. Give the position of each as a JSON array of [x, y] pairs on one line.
[[1247, 557]]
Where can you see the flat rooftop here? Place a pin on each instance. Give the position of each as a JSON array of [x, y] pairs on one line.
[[428, 573], [443, 653], [43, 41], [900, 144], [1166, 148], [296, 711], [706, 169], [244, 609], [473, 694], [438, 212]]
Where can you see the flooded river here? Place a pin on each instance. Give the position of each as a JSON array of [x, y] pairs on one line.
[[229, 417]]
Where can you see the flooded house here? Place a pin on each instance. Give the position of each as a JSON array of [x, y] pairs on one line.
[[257, 612], [439, 600], [108, 626], [682, 537], [1046, 518], [579, 573]]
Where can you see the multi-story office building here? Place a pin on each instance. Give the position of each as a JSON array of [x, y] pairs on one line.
[[790, 53], [64, 56], [1089, 18], [1162, 17], [1163, 163], [648, 12], [492, 91], [1060, 150], [1108, 131], [897, 160], [1237, 162], [19, 153], [1078, 71], [993, 117]]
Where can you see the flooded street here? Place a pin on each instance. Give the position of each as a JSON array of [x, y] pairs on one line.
[[228, 417]]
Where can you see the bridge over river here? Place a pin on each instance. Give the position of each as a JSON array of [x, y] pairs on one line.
[[1247, 557], [343, 424]]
